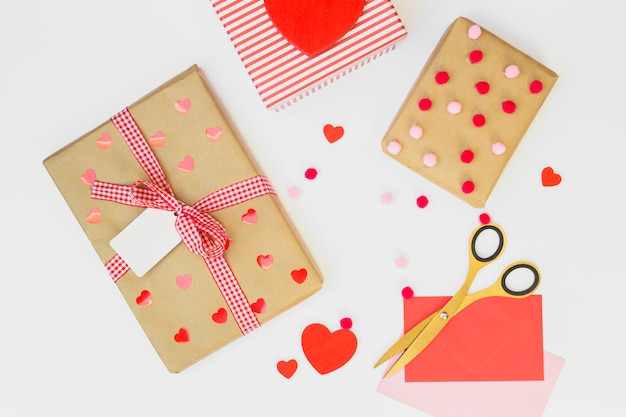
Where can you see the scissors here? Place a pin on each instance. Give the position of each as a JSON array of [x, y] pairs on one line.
[[421, 335]]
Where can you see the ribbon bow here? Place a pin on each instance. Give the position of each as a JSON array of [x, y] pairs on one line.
[[201, 233]]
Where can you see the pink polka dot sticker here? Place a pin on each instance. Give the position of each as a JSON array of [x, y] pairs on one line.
[[400, 261], [474, 32], [498, 148], [416, 131], [454, 107], [394, 147], [386, 198], [430, 160], [293, 192], [511, 71]]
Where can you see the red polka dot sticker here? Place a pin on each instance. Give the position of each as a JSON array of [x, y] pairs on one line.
[[407, 292], [472, 104], [422, 201], [310, 174], [346, 323], [484, 218]]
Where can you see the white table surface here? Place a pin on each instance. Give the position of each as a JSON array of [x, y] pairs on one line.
[[70, 345]]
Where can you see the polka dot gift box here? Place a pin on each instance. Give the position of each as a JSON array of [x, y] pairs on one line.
[[468, 111], [237, 263]]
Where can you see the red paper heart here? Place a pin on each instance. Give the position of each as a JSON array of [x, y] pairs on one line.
[[313, 26], [220, 316], [327, 351], [549, 178], [287, 368], [333, 133], [259, 306], [182, 336], [144, 299], [299, 275], [249, 217], [265, 261]]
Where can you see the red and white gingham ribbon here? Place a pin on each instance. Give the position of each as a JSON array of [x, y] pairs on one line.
[[200, 232]]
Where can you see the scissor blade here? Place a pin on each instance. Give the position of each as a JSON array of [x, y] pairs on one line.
[[405, 341], [427, 335]]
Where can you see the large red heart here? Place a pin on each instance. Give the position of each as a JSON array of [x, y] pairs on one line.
[[327, 351], [313, 26]]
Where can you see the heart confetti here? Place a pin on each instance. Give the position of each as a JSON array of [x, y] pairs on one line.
[[333, 133], [157, 140], [287, 368], [327, 351], [104, 141], [213, 133], [549, 178]]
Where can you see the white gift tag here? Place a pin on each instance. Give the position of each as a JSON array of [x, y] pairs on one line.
[[146, 240]]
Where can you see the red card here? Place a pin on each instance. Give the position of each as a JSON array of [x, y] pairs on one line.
[[493, 339]]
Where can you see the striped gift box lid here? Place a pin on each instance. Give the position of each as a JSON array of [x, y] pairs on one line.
[[281, 73]]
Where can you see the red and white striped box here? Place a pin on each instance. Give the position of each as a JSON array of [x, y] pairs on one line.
[[280, 72]]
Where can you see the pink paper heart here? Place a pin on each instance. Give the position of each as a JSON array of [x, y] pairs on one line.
[[214, 133], [94, 216], [250, 217], [265, 261], [88, 177], [182, 106], [183, 281], [104, 141], [187, 164], [157, 140]]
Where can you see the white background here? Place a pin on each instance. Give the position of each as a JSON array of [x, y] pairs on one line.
[[68, 65]]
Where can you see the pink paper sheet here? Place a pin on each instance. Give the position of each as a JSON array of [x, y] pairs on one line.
[[476, 399]]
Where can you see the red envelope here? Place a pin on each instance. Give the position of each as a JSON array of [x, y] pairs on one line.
[[492, 339]]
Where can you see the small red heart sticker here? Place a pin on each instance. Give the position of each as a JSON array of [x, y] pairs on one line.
[[287, 368], [144, 299], [549, 178], [333, 133]]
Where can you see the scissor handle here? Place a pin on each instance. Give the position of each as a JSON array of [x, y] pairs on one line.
[[531, 288], [501, 241]]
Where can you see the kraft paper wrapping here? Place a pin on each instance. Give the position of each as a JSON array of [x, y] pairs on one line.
[[469, 54], [218, 163]]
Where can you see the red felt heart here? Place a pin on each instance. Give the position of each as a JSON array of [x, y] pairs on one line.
[[333, 133], [549, 178], [327, 351], [287, 368], [299, 275], [313, 26]]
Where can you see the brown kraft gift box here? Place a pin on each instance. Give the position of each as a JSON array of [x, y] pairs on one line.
[[178, 302]]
